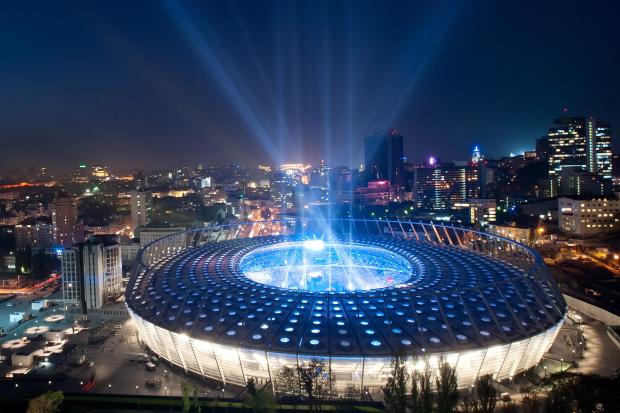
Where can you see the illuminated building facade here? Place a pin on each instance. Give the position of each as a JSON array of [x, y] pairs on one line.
[[375, 193], [478, 211], [239, 302], [38, 233], [65, 220], [578, 143], [588, 216], [444, 186], [141, 208], [603, 149], [92, 272]]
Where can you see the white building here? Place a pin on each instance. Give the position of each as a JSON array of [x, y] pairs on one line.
[[141, 207], [92, 272], [588, 216]]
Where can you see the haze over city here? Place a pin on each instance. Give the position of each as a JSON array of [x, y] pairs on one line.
[[133, 84]]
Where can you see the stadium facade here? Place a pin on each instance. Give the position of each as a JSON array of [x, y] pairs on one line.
[[241, 301]]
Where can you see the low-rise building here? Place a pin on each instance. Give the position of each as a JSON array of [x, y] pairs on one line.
[[524, 235], [588, 216], [477, 211]]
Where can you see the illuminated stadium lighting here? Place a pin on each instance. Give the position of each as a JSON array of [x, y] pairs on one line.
[[332, 267], [314, 244], [246, 306]]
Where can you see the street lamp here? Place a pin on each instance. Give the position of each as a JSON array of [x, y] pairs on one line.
[[561, 364], [165, 390], [545, 367], [137, 387]]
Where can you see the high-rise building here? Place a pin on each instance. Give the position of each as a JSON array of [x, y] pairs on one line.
[[443, 186], [476, 155], [38, 233], [65, 220], [578, 143], [92, 272], [141, 207], [384, 157], [604, 156], [282, 191]]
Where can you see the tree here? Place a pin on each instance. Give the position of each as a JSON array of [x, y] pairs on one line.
[[447, 390], [259, 400], [426, 391], [351, 392], [23, 260], [416, 402], [395, 390], [48, 402], [316, 380], [287, 382], [487, 394], [195, 402], [187, 404]]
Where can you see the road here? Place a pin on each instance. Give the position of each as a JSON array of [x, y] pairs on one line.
[[115, 374]]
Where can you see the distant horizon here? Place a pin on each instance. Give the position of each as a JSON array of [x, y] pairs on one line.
[[69, 169], [153, 83]]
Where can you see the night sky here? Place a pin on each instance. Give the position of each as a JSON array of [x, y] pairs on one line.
[[153, 84]]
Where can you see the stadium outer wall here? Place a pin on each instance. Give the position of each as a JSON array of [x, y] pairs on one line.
[[235, 365]]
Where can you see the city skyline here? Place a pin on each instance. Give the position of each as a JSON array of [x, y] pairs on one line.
[[314, 205], [295, 81]]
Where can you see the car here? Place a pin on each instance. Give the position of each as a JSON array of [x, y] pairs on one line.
[[10, 304], [115, 332]]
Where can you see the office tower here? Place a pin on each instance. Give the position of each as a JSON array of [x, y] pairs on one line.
[[443, 186], [141, 208], [476, 155], [384, 157], [64, 220], [579, 144], [604, 156], [38, 233], [92, 272], [282, 191]]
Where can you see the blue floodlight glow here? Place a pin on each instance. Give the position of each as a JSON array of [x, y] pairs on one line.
[[315, 265], [314, 245], [369, 292]]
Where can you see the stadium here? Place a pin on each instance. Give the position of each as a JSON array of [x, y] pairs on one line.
[[230, 303]]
